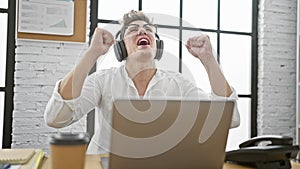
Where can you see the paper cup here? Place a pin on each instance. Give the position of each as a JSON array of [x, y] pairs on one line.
[[68, 150]]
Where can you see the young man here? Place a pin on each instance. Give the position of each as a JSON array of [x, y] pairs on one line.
[[77, 94]]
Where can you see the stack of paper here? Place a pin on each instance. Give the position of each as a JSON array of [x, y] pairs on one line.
[[25, 158]]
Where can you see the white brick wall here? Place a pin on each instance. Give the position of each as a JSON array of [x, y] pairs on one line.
[[277, 67], [39, 64]]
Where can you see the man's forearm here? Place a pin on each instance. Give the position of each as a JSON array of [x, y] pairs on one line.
[[71, 86], [217, 80]]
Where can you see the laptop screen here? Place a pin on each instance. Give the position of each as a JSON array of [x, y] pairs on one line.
[[169, 133]]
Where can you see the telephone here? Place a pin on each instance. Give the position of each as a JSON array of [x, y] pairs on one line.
[[274, 154]]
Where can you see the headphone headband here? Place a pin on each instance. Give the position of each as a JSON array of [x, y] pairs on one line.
[[117, 34]]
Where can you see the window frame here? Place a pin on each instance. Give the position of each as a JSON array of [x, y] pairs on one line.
[[254, 52], [10, 62], [8, 89]]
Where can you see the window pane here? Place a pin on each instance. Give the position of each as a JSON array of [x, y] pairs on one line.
[[166, 13], [237, 18], [200, 13], [112, 28], [235, 59], [1, 116], [192, 68], [241, 133], [170, 59], [109, 59], [3, 40], [115, 9], [4, 4]]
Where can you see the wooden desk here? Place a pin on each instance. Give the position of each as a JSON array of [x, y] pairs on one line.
[[93, 162]]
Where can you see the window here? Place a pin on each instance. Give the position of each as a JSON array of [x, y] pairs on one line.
[[4, 4], [231, 26], [3, 37], [7, 58], [2, 96]]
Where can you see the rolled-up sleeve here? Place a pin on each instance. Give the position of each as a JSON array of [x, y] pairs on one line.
[[60, 113], [236, 115], [192, 91]]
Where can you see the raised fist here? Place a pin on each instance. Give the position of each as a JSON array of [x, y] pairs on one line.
[[101, 42]]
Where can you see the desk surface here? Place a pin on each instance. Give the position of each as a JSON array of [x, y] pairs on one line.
[[93, 162]]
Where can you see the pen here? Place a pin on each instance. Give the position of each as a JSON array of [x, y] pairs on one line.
[[5, 166], [38, 160]]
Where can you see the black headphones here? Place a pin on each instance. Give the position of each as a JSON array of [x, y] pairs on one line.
[[121, 52]]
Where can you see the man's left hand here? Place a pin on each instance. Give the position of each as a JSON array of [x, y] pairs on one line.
[[200, 47]]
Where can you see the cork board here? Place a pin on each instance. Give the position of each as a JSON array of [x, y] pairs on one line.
[[79, 34]]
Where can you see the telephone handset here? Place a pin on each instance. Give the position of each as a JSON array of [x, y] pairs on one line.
[[265, 152], [273, 139]]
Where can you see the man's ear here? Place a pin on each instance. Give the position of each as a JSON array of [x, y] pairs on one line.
[[120, 48]]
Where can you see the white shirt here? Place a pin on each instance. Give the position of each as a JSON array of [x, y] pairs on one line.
[[100, 90]]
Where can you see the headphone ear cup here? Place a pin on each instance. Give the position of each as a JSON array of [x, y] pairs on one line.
[[159, 49], [120, 50]]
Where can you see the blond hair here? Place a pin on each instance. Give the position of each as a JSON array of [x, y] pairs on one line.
[[133, 16]]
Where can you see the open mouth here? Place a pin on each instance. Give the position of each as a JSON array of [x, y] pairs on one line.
[[143, 41]]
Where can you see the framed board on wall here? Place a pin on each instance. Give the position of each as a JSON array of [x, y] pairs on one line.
[[78, 32]]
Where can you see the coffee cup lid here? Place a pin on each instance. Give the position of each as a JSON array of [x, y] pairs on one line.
[[69, 139]]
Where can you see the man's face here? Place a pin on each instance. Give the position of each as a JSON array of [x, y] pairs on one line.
[[139, 39]]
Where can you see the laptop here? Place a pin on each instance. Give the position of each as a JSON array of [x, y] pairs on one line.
[[162, 134]]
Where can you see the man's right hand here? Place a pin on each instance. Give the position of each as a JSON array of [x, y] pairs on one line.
[[101, 42]]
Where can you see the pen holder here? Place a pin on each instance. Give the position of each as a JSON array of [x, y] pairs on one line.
[[68, 150]]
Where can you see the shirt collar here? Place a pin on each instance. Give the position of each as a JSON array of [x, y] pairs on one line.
[[125, 75], [152, 82]]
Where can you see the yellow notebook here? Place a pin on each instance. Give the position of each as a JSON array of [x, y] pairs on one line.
[[16, 156]]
